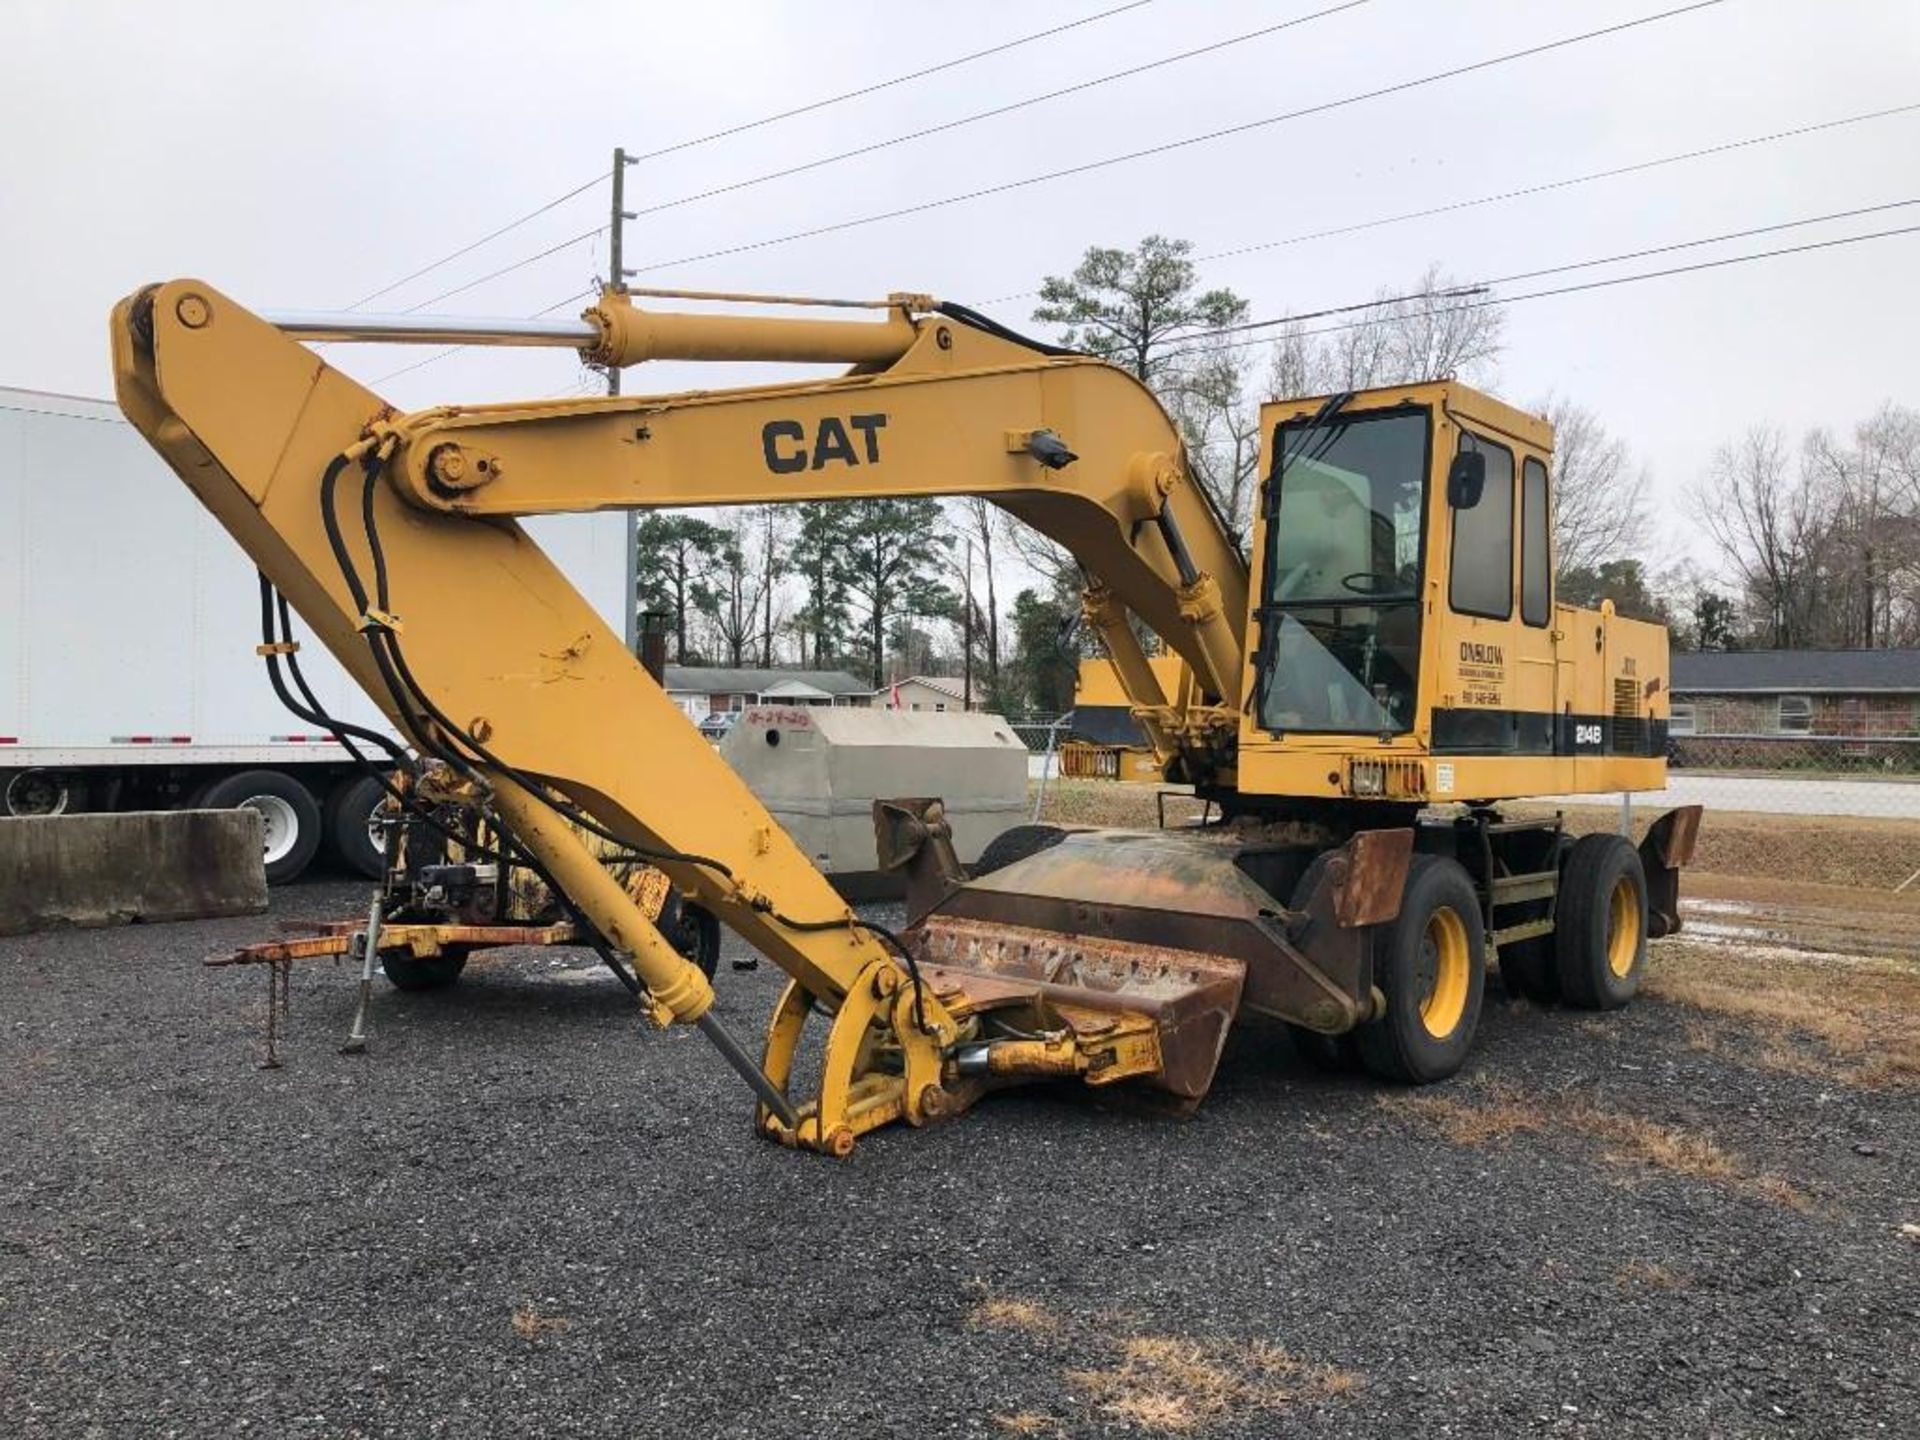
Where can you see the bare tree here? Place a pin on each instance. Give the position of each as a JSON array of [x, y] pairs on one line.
[[1218, 416], [1434, 329], [976, 519], [1599, 494], [1769, 525], [1441, 329]]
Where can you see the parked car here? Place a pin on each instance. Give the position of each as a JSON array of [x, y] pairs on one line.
[[716, 726]]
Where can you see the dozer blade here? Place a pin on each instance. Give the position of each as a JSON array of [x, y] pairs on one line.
[[1163, 927]]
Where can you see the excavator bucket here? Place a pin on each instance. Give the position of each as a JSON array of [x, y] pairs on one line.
[[1169, 931]]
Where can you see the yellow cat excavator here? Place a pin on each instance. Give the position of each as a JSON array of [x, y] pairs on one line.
[[1356, 697]]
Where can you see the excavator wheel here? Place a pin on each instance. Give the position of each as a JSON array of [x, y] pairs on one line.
[[1600, 942], [1431, 964], [1016, 844]]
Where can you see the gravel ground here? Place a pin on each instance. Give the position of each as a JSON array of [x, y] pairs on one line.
[[522, 1213]]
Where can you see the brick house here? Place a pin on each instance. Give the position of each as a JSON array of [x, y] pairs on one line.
[[1790, 708]]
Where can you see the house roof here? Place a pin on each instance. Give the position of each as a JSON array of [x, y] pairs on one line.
[[1712, 672], [946, 685], [791, 689], [718, 680]]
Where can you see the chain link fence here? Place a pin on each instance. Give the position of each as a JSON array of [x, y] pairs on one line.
[[1858, 776]]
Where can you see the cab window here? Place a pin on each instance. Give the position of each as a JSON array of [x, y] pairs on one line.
[[1482, 566], [1536, 528]]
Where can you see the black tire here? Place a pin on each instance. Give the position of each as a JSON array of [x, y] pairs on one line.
[[695, 933], [434, 972], [1433, 955], [349, 812], [1528, 968], [1600, 938], [290, 817], [1335, 1054], [1016, 844]]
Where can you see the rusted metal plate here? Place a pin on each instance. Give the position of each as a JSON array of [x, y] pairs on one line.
[[1668, 847], [1374, 876], [1672, 837]]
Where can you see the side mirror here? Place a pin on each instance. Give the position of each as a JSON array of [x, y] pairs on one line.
[[1466, 478]]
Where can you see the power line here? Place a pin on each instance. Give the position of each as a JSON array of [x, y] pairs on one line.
[[587, 185], [489, 237], [1481, 286], [1539, 189], [999, 110], [506, 270], [1174, 145], [880, 85], [1607, 283]]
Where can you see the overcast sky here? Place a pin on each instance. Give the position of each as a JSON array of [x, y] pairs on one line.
[[300, 156]]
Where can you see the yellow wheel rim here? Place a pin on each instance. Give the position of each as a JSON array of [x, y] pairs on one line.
[[1445, 958], [1623, 928]]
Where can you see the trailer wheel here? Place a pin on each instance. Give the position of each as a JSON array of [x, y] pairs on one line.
[[289, 817], [36, 792], [1600, 940], [1431, 964], [429, 972], [351, 833]]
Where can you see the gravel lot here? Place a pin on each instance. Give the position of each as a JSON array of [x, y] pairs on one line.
[[522, 1213]]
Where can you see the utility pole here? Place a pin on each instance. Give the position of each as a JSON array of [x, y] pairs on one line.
[[617, 275]]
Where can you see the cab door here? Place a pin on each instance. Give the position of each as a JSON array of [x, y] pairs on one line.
[[1500, 684]]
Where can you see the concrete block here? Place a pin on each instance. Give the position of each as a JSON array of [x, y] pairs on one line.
[[144, 865]]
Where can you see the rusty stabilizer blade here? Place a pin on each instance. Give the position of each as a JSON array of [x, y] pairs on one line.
[[1171, 924]]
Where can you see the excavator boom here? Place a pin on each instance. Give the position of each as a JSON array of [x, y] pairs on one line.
[[393, 536]]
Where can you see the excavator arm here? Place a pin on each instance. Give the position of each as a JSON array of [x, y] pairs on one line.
[[393, 535]]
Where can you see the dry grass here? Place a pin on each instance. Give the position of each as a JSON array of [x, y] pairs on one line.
[[1646, 1275], [1161, 1384], [1854, 1021], [1027, 1422], [1499, 1111], [1172, 1384], [1000, 1313], [529, 1324]]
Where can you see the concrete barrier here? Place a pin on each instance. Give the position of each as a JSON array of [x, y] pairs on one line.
[[145, 865]]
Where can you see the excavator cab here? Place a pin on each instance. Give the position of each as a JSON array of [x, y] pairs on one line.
[[1408, 648]]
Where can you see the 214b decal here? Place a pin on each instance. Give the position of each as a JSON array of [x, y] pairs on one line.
[[790, 449]]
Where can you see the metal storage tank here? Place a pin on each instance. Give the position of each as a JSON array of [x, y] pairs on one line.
[[819, 768]]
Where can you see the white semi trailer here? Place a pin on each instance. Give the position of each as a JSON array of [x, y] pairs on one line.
[[128, 621]]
